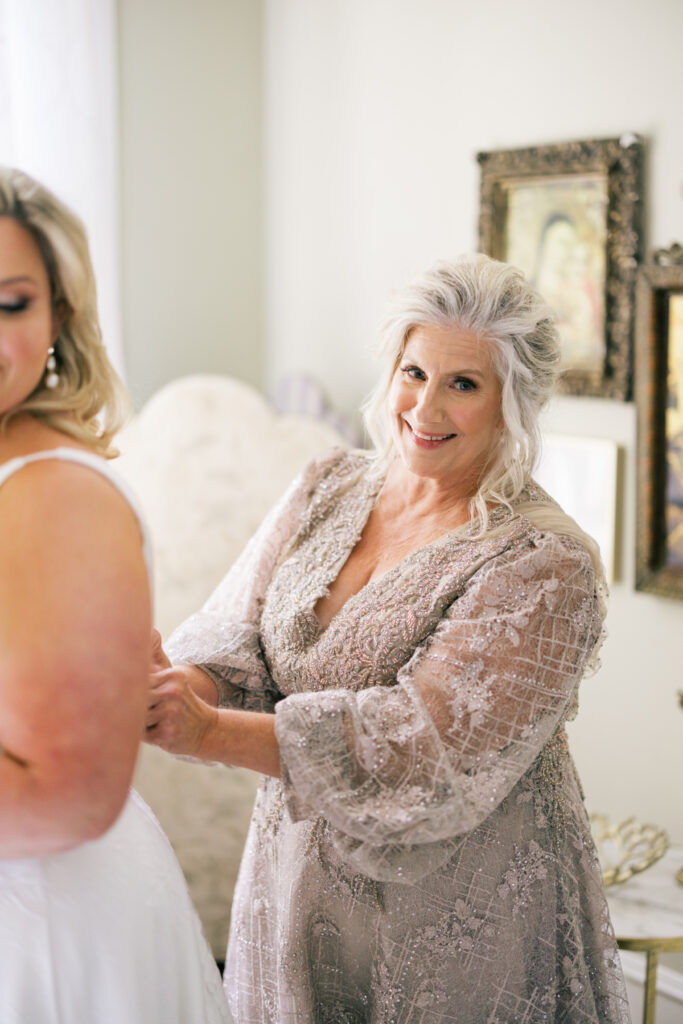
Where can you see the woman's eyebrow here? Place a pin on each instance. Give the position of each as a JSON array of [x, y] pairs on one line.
[[448, 373], [16, 280]]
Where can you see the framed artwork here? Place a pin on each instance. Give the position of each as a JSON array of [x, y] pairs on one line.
[[659, 401], [581, 474], [570, 217]]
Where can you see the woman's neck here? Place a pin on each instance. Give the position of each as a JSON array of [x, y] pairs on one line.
[[25, 434], [404, 494]]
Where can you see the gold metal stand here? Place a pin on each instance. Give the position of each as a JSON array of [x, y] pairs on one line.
[[652, 948]]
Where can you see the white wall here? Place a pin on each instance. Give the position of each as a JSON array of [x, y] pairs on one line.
[[375, 111], [191, 135]]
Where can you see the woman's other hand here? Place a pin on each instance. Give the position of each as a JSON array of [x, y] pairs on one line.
[[160, 659], [177, 719], [182, 718]]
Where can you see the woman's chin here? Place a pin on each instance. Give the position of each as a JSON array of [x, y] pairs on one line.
[[426, 464]]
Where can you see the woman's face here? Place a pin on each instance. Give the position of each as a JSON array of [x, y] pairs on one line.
[[27, 325], [445, 406]]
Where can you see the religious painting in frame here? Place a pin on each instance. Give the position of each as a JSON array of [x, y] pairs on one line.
[[659, 401], [570, 217]]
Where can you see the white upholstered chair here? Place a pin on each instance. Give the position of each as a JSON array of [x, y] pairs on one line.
[[207, 456]]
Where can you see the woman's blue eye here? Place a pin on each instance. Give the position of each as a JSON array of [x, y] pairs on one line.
[[414, 372], [464, 384]]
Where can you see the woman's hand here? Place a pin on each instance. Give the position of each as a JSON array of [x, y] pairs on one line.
[[177, 719], [182, 718]]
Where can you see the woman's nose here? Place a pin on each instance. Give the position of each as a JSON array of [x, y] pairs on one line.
[[430, 400]]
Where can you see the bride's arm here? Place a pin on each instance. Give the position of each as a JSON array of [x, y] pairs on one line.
[[74, 655]]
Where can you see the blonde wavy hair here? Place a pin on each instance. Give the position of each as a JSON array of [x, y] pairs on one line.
[[494, 301], [89, 402]]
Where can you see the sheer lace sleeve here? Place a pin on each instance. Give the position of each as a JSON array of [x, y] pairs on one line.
[[223, 637], [401, 772]]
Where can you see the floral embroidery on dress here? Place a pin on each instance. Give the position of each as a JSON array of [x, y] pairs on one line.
[[426, 856], [527, 868]]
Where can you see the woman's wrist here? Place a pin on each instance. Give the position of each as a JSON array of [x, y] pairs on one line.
[[202, 684], [214, 741], [242, 739]]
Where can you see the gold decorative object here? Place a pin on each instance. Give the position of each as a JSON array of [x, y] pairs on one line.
[[625, 848], [672, 257]]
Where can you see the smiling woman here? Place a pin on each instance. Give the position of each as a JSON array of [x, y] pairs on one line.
[[445, 396], [398, 650]]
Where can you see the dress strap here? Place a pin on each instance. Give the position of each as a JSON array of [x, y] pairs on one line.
[[99, 465]]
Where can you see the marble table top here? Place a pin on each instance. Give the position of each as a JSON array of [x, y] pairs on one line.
[[650, 904]]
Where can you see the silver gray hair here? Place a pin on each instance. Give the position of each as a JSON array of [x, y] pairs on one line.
[[495, 302]]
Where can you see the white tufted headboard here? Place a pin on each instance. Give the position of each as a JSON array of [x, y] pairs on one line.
[[208, 456]]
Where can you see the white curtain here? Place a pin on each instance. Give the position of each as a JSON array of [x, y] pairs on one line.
[[59, 122]]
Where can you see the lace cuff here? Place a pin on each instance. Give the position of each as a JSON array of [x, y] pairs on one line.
[[235, 663]]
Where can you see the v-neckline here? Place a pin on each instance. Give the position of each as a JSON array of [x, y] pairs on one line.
[[370, 497]]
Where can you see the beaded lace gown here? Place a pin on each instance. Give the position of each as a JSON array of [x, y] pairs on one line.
[[426, 857], [105, 933]]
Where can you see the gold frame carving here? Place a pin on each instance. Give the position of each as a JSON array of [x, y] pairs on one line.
[[620, 161], [656, 283]]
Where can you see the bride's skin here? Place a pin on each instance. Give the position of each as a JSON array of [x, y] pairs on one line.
[[74, 603], [445, 405]]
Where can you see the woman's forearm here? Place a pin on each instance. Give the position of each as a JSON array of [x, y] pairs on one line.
[[181, 721], [243, 739]]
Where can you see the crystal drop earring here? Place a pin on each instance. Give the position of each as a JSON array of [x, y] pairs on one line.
[[52, 378]]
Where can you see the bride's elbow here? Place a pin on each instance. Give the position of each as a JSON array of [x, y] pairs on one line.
[[98, 816], [81, 807]]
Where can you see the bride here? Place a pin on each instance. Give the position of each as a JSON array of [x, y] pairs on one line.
[[96, 923]]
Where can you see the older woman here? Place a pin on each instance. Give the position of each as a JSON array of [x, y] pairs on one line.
[[398, 650], [96, 924]]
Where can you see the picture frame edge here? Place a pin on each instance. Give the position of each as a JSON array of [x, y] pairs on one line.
[[621, 159], [650, 357]]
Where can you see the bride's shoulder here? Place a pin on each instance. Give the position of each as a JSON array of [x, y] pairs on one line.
[[53, 485]]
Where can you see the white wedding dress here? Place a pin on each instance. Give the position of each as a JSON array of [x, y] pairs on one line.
[[105, 933]]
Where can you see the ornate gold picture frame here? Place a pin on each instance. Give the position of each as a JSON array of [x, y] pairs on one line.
[[570, 217], [659, 400]]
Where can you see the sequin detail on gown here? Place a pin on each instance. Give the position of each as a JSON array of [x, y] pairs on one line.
[[426, 856]]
